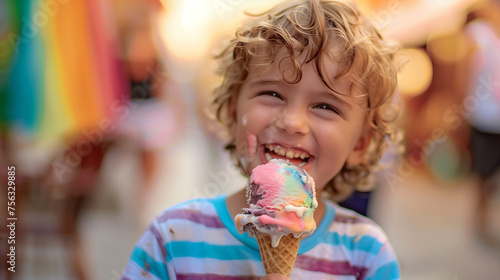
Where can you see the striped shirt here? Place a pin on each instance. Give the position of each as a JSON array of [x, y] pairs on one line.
[[198, 240]]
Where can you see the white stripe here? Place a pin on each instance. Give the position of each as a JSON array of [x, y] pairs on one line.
[[339, 253], [385, 257], [205, 205], [301, 274], [221, 267], [148, 243], [359, 229], [133, 270], [185, 230]]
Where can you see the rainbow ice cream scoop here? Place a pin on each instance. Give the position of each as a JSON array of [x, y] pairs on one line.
[[282, 200]]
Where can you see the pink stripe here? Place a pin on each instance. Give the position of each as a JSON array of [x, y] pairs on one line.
[[348, 219], [159, 239], [329, 267], [214, 277], [193, 216]]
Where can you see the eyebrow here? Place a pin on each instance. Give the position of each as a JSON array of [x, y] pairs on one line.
[[265, 82], [328, 94]]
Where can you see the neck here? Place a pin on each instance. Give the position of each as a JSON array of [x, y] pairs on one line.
[[236, 201], [319, 212]]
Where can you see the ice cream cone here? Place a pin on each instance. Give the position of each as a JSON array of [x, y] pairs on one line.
[[281, 201], [278, 259]]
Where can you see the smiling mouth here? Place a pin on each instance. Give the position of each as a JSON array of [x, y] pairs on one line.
[[276, 151]]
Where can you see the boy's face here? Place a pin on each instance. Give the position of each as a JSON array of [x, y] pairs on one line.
[[306, 123]]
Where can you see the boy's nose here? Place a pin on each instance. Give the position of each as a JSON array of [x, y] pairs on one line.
[[292, 122]]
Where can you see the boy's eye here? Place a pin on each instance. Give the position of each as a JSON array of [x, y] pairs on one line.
[[328, 107], [272, 94]]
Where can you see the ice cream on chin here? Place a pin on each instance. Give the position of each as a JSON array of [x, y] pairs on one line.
[[282, 200]]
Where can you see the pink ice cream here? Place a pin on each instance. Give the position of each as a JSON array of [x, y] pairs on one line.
[[282, 200]]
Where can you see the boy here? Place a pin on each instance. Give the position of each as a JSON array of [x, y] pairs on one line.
[[309, 82]]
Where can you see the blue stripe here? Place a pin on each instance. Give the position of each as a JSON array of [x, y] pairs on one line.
[[144, 260], [177, 249], [365, 243], [389, 271]]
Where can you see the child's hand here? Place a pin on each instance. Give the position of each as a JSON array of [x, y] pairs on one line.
[[274, 276]]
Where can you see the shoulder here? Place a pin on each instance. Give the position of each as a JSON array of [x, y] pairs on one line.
[[352, 244], [362, 231], [365, 243]]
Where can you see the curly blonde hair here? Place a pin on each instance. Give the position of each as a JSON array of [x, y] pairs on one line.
[[309, 27]]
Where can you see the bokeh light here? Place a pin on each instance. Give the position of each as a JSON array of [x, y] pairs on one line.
[[416, 74], [448, 47], [186, 29]]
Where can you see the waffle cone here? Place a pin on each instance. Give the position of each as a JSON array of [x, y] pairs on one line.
[[280, 259]]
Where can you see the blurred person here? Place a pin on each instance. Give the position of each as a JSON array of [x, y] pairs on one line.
[[482, 108], [307, 77], [67, 196], [154, 119]]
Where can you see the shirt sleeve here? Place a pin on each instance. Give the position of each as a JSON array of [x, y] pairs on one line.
[[148, 259], [384, 265]]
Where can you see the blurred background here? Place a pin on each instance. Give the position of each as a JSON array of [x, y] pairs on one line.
[[102, 114]]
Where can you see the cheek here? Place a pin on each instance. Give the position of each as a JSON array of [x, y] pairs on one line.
[[334, 147], [253, 119], [245, 122], [337, 138]]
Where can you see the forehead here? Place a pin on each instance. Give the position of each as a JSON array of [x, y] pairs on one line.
[[282, 58], [287, 67]]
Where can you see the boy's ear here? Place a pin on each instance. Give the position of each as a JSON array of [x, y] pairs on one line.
[[357, 154]]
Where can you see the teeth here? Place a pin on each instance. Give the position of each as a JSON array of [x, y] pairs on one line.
[[286, 153], [301, 164], [268, 157]]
